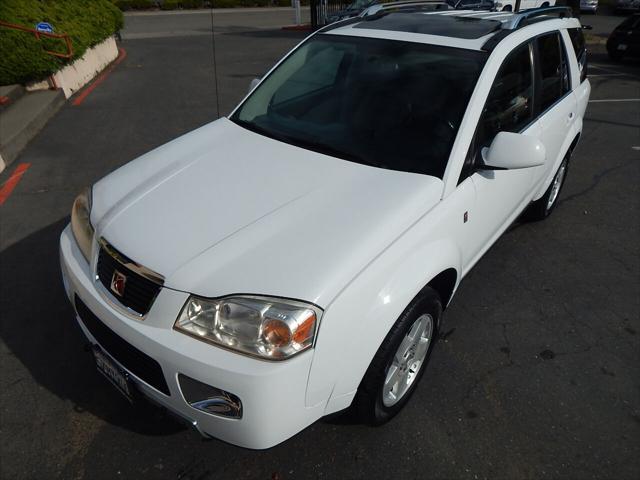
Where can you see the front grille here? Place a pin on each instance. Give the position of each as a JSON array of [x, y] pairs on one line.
[[139, 363], [139, 292]]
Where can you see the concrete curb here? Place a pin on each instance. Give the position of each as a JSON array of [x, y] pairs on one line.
[[24, 119], [81, 71], [25, 114]]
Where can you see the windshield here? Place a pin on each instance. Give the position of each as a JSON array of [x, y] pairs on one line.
[[390, 104]]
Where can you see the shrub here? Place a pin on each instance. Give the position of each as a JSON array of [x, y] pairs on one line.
[[174, 4], [192, 3], [134, 4], [87, 22]]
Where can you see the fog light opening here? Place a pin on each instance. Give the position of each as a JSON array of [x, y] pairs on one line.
[[209, 399]]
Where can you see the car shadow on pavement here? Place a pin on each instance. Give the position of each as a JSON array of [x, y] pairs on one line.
[[38, 327]]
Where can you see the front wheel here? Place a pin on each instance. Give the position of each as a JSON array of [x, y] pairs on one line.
[[542, 208], [400, 361], [507, 8]]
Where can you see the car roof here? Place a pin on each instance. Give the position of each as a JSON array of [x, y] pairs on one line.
[[469, 29]]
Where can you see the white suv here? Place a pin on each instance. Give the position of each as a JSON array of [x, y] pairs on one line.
[[294, 258], [510, 5]]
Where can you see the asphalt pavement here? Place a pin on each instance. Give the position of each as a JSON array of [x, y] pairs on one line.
[[538, 371]]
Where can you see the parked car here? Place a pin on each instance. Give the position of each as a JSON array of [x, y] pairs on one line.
[[625, 6], [359, 7], [294, 259], [354, 9], [589, 6], [624, 41], [510, 5], [471, 4]]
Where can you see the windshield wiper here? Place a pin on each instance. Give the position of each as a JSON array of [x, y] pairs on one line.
[[302, 143], [258, 129]]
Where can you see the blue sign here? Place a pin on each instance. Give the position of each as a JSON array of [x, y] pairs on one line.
[[44, 27]]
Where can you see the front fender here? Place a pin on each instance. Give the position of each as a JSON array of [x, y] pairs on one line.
[[357, 321]]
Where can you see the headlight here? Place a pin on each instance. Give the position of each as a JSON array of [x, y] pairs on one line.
[[269, 328], [81, 222]]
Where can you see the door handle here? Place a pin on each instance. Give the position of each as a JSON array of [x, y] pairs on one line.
[[570, 118]]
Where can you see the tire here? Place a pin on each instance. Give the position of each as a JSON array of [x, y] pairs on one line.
[[507, 8], [374, 403], [542, 208], [545, 4]]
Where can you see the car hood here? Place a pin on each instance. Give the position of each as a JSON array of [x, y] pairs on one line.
[[223, 210]]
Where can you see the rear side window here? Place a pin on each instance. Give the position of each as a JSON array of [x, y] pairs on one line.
[[554, 72], [579, 46]]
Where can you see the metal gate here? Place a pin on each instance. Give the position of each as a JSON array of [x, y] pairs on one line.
[[321, 10]]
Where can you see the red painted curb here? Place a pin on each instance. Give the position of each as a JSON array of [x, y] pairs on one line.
[[10, 184], [85, 93]]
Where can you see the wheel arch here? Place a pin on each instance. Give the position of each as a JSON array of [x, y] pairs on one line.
[[357, 322], [568, 147], [444, 284]]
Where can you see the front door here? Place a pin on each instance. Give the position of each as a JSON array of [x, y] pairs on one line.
[[502, 194]]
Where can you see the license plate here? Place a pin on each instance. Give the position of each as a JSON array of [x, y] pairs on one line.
[[622, 46], [114, 374]]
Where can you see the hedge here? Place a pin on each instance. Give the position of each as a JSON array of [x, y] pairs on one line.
[[187, 4], [87, 22]]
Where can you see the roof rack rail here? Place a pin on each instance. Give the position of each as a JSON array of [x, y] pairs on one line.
[[404, 6], [521, 18]]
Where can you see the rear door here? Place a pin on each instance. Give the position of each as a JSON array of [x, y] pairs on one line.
[[554, 100]]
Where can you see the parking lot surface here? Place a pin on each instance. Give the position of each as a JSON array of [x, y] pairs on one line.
[[537, 374]]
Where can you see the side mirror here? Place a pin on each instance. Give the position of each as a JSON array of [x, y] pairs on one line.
[[254, 83], [514, 150]]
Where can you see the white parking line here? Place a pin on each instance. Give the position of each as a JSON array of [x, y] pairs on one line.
[[615, 100]]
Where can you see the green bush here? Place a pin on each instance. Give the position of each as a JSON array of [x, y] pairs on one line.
[[87, 22], [174, 4], [134, 4], [192, 3], [170, 4]]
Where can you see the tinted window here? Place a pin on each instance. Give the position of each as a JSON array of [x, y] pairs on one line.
[[577, 40], [509, 106], [385, 103], [553, 70]]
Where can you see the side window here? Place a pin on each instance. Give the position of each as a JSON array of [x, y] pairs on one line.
[[554, 72], [579, 46], [509, 105]]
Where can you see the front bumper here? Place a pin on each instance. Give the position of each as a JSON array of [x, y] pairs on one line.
[[272, 393]]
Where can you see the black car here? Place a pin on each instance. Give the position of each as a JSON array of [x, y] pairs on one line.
[[625, 39]]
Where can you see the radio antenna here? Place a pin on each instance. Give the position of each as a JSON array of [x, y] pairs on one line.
[[215, 65]]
